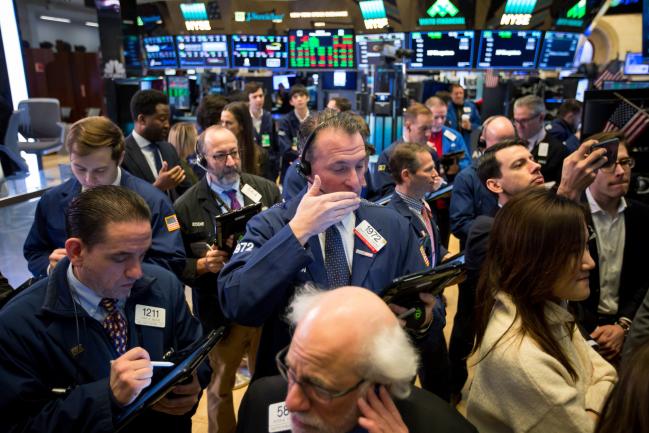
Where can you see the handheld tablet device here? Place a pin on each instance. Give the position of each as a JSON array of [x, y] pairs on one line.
[[233, 223]]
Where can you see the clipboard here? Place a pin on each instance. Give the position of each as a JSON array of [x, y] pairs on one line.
[[233, 223], [182, 371], [405, 290], [440, 193]]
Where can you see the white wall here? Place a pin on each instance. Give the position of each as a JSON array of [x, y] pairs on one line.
[[615, 35]]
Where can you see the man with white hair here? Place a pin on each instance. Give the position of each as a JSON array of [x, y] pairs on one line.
[[348, 358]]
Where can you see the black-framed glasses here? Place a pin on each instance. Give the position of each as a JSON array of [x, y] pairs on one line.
[[624, 163], [311, 390], [525, 121], [222, 157]]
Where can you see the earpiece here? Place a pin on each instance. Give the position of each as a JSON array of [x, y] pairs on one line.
[[201, 160]]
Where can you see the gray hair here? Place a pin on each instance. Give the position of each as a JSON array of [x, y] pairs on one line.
[[533, 102], [388, 358]]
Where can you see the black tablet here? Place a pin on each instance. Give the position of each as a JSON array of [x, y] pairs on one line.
[[440, 193], [405, 290], [181, 372], [233, 223]]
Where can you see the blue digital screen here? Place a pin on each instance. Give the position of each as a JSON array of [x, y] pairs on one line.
[[372, 48], [442, 50], [558, 50], [508, 49], [259, 51], [160, 52], [202, 51]]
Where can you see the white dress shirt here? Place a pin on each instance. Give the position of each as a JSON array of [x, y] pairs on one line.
[[610, 249], [346, 229], [147, 151]]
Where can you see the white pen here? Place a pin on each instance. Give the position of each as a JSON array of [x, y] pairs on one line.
[[162, 364]]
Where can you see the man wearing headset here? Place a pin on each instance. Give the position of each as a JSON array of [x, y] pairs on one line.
[[224, 188], [326, 235]]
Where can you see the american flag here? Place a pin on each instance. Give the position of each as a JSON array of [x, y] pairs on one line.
[[631, 120], [491, 79], [612, 72]]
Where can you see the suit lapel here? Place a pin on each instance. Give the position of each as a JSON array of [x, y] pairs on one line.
[[362, 256], [317, 267], [138, 159]]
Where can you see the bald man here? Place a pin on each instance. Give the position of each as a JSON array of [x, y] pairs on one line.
[[222, 189], [349, 368], [470, 197]]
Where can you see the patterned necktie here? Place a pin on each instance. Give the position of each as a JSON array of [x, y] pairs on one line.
[[335, 259], [426, 216], [234, 202], [115, 325], [156, 156]]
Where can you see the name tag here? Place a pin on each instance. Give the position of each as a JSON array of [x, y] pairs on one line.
[[370, 236], [364, 253], [265, 140], [150, 316], [251, 193], [448, 134], [198, 223], [543, 149], [279, 418], [467, 109]]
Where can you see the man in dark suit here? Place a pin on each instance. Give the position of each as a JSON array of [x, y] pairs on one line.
[[341, 374], [265, 131], [529, 115], [222, 189], [619, 281], [413, 170], [289, 126], [148, 155]]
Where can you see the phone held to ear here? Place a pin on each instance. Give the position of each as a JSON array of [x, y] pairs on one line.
[[611, 145]]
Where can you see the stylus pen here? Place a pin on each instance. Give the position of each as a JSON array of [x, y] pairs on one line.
[[162, 364], [407, 313]]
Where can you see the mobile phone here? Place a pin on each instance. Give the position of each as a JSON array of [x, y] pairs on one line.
[[611, 145]]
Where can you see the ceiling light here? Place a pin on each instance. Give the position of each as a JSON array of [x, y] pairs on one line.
[[319, 24], [320, 14], [91, 24], [57, 19]]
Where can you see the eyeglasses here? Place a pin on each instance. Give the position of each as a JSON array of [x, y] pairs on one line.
[[525, 121], [311, 390], [222, 157], [624, 163]]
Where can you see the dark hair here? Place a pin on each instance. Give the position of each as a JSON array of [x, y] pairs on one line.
[[343, 104], [145, 102], [326, 119], [535, 245], [569, 106], [454, 86], [297, 89], [92, 133], [252, 87], [404, 156], [91, 211], [209, 110], [488, 165], [245, 138], [626, 407]]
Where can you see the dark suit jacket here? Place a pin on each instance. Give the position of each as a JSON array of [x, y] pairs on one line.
[[135, 163], [634, 278], [422, 411], [196, 210], [270, 170], [551, 164]]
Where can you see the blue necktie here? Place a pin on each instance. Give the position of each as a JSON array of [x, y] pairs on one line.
[[156, 156], [234, 202], [335, 259]]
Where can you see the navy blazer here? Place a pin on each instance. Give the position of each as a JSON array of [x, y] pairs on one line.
[[255, 286], [136, 164], [272, 149], [48, 230]]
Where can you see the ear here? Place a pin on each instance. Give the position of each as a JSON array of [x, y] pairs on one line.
[[494, 186], [140, 118], [405, 175], [74, 250]]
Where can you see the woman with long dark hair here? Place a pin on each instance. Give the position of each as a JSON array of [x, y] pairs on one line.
[[534, 372], [236, 117]]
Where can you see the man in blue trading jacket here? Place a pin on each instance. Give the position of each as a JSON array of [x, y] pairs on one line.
[[462, 114], [265, 131], [414, 171], [289, 126], [96, 147], [148, 155], [76, 348], [326, 235], [566, 126]]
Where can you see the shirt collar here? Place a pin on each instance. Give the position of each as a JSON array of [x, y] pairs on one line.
[[348, 222], [302, 119], [537, 138], [116, 182], [141, 141], [411, 202], [261, 114], [220, 190], [87, 298], [595, 208]]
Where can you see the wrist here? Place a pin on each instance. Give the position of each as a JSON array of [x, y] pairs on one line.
[[625, 324], [302, 234]]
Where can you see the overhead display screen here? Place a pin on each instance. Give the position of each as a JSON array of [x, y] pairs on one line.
[[321, 49], [442, 50], [508, 49], [196, 51], [558, 50], [372, 49], [250, 51], [160, 52]]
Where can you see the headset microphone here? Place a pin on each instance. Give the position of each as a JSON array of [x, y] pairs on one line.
[[201, 161]]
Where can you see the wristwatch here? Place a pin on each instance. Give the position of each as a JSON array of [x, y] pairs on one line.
[[625, 324]]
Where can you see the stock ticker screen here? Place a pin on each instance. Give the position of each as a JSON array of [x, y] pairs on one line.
[[202, 51], [321, 49], [259, 51], [160, 52], [508, 49], [442, 50], [558, 50], [372, 48]]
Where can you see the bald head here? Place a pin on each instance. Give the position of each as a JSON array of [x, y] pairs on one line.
[[497, 129]]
